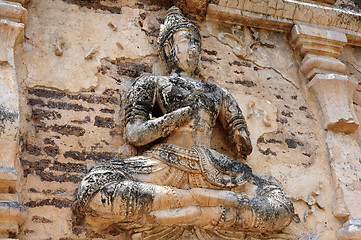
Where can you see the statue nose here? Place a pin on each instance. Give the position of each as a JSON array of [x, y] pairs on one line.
[[193, 49], [193, 46]]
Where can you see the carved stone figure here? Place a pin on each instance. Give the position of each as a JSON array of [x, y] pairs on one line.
[[180, 181]]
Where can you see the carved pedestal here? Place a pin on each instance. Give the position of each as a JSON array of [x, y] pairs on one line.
[[12, 213]]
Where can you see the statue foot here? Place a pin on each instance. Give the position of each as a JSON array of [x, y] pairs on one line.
[[242, 200], [205, 217], [190, 215]]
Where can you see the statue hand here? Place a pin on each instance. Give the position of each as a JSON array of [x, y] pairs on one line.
[[243, 142], [141, 132], [184, 115]]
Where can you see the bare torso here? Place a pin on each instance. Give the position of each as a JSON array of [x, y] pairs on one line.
[[174, 93]]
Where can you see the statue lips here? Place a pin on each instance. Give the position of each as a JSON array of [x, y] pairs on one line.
[[193, 53], [192, 59]]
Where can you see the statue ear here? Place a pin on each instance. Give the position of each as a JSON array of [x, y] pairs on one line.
[[167, 48]]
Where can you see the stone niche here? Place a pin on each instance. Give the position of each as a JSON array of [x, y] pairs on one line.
[[79, 59]]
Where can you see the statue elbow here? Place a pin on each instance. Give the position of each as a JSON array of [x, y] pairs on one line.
[[135, 137], [132, 136]]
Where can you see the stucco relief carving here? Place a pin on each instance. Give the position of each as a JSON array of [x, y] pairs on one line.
[[334, 91], [12, 213], [179, 181]]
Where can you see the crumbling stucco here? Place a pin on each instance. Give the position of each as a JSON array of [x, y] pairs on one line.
[[76, 66]]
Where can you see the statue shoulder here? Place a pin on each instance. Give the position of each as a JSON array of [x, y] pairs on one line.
[[144, 88], [217, 88], [140, 98], [150, 81], [211, 87], [227, 95], [142, 91], [144, 79]]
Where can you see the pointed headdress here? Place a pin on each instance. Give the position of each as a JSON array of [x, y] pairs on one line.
[[174, 22]]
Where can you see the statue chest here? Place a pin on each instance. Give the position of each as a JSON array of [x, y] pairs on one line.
[[176, 93]]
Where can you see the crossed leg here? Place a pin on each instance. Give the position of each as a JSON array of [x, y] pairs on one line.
[[155, 204]]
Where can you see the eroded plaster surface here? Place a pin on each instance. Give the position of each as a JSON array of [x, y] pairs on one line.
[[77, 39], [76, 66]]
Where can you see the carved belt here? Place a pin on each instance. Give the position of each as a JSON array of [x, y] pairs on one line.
[[222, 170], [217, 168], [186, 159]]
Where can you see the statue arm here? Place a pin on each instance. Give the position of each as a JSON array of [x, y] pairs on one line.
[[139, 128], [233, 122]]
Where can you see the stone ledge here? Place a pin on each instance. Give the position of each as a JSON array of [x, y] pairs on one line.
[[236, 16], [7, 173], [13, 11], [22, 2], [283, 14], [11, 34], [8, 197], [320, 1], [12, 214], [8, 177]]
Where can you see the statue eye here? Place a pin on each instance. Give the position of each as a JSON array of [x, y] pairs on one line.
[[197, 41]]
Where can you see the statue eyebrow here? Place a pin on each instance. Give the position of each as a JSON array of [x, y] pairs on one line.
[[188, 35]]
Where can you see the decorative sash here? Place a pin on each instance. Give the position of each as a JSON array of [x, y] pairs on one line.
[[222, 170], [217, 168]]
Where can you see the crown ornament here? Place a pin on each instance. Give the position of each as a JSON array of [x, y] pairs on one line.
[[174, 22]]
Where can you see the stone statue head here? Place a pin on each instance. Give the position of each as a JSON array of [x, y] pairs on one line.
[[180, 42]]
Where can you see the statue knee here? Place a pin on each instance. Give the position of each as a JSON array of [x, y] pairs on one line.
[[273, 211], [127, 200]]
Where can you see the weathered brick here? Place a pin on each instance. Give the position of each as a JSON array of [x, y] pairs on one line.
[[104, 122], [45, 93], [58, 203]]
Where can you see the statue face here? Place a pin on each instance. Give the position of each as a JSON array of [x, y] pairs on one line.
[[187, 49]]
